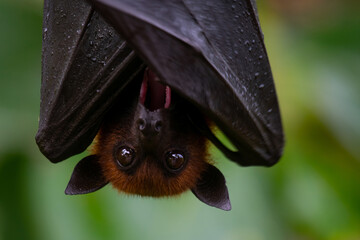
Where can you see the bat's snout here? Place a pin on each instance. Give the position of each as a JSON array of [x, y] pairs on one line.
[[149, 128], [149, 123]]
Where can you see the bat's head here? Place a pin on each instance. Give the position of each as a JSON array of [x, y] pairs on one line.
[[147, 146]]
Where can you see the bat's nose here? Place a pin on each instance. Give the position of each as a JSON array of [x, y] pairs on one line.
[[149, 123], [149, 127]]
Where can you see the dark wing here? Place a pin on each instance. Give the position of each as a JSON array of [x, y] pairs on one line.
[[85, 64], [212, 53]]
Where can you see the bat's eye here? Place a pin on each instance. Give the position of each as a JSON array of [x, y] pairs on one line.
[[174, 160], [124, 156]]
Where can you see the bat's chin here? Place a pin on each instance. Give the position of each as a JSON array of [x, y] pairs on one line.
[[153, 94]]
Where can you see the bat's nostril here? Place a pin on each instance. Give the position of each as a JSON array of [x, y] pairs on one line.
[[141, 124], [158, 125]]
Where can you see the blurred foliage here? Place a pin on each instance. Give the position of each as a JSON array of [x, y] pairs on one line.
[[313, 193]]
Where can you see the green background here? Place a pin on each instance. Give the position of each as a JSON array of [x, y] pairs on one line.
[[312, 193]]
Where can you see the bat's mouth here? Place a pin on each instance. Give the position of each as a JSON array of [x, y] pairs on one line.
[[153, 94]]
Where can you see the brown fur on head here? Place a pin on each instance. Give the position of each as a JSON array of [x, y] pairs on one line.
[[149, 176]]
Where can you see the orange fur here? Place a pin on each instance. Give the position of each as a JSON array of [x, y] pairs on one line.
[[149, 179]]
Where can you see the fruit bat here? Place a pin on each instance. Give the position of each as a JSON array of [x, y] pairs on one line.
[[145, 81]]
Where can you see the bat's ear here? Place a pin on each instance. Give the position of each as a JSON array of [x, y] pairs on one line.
[[87, 177], [211, 189]]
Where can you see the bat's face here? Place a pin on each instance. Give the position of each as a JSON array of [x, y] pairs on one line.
[[152, 155], [152, 150]]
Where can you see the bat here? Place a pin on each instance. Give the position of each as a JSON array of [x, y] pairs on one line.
[[148, 146], [147, 80]]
